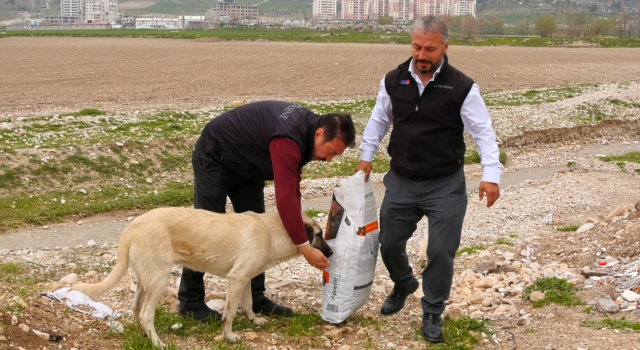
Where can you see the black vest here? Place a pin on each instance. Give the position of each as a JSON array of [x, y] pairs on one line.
[[427, 139], [239, 139]]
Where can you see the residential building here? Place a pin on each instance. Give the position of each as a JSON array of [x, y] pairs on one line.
[[103, 11], [355, 10], [325, 10], [71, 8], [61, 19], [401, 10], [170, 22], [229, 11], [379, 8]]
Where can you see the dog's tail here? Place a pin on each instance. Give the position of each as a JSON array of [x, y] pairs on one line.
[[98, 289]]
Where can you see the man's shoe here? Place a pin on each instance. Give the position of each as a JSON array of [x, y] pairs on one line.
[[269, 308], [200, 311], [432, 327], [395, 301]]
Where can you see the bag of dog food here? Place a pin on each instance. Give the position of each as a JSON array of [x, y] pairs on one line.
[[352, 234]]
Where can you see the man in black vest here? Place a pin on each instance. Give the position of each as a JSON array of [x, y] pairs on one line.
[[236, 153], [429, 103]]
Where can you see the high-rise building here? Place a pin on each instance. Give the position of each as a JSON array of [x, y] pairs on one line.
[[100, 11], [379, 8], [325, 10], [71, 8], [400, 10], [228, 10], [356, 10]]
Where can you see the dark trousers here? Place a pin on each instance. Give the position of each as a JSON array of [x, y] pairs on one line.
[[212, 185], [444, 202]]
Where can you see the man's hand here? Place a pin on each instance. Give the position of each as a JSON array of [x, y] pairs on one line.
[[366, 167], [314, 257], [491, 190]]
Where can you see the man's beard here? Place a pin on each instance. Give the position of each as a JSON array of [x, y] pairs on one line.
[[434, 66]]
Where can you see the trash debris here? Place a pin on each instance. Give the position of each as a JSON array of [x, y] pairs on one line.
[[75, 298]]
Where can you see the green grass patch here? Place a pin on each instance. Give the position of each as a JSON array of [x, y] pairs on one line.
[[10, 178], [589, 309], [463, 334], [570, 228], [536, 97], [39, 210], [313, 213], [504, 241], [633, 157], [529, 330], [621, 324], [292, 328], [558, 291], [470, 250], [473, 157], [625, 104], [305, 34], [85, 112], [362, 321]]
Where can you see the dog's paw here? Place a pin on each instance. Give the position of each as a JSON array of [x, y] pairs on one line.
[[260, 321], [232, 337]]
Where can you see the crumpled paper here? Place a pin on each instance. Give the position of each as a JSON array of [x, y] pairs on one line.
[[75, 298]]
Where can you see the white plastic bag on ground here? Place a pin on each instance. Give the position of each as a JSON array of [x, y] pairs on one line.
[[352, 233]]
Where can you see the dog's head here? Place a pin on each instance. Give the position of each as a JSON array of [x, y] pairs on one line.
[[316, 238]]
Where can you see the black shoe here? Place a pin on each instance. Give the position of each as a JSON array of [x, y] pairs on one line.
[[269, 308], [395, 301], [200, 311], [432, 327]]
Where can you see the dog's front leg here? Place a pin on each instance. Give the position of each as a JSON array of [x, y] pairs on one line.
[[247, 306], [234, 296]]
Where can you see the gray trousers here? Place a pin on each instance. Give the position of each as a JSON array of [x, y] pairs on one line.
[[406, 201]]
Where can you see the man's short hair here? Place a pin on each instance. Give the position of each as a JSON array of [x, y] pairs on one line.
[[432, 24], [338, 125]]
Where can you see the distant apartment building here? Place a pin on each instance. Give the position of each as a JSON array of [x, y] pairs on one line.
[[325, 10], [165, 22], [356, 10], [61, 19], [170, 22], [463, 8], [400, 10], [101, 11], [229, 11], [71, 8], [379, 8]]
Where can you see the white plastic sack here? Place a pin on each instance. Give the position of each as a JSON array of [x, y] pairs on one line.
[[352, 233]]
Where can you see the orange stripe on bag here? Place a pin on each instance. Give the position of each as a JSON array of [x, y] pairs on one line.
[[326, 276], [372, 227]]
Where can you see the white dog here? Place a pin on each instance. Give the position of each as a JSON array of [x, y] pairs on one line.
[[236, 246]]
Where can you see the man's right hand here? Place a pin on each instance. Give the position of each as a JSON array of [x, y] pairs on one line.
[[314, 257], [366, 167]]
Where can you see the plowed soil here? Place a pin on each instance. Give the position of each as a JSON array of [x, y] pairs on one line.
[[43, 75]]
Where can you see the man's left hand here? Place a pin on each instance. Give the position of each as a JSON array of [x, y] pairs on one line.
[[491, 190]]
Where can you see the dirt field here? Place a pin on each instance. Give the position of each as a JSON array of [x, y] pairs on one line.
[[42, 75]]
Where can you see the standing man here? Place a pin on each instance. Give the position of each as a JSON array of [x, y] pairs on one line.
[[236, 153], [429, 103]]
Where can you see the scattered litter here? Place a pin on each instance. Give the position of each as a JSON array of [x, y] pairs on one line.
[[75, 298]]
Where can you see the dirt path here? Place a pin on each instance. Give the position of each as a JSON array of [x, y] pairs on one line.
[[107, 228], [45, 75]]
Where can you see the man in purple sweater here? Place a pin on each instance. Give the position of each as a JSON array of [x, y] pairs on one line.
[[236, 153]]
